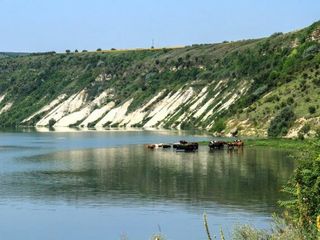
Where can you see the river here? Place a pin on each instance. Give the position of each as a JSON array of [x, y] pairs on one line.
[[107, 185]]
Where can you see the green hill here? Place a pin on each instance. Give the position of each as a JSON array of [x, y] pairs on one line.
[[257, 87]]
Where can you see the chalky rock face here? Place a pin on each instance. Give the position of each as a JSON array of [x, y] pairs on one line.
[[165, 109]]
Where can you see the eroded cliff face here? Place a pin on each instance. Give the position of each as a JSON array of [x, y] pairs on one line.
[[170, 109]]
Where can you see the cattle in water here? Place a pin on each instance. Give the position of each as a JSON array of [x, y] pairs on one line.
[[236, 143], [151, 146], [166, 146], [216, 145], [230, 145], [186, 146]]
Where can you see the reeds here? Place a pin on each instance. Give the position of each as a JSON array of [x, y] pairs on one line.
[[205, 220]]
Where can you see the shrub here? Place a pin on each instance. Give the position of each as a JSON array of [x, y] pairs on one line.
[[283, 104], [305, 129], [219, 125], [189, 125], [316, 81], [276, 34], [280, 231], [290, 100], [317, 133], [51, 122], [304, 207], [312, 109], [300, 136], [280, 125]]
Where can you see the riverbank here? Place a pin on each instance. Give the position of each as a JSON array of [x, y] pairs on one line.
[[291, 144], [301, 216]]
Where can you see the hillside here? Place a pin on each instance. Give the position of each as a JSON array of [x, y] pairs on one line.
[[12, 54], [257, 87]]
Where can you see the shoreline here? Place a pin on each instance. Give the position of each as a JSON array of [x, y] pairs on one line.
[[284, 143]]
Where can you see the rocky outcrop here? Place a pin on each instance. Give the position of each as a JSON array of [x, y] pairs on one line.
[[6, 107], [315, 35]]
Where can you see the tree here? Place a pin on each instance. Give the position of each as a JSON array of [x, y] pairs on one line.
[[280, 125], [68, 51], [99, 50]]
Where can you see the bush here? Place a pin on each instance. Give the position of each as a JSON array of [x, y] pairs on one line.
[[318, 133], [276, 34], [305, 129], [280, 125], [51, 122], [290, 100], [188, 125], [280, 231], [312, 109], [300, 136], [304, 207], [219, 125], [316, 81]]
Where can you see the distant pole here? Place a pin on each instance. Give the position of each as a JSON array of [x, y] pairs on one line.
[[152, 44]]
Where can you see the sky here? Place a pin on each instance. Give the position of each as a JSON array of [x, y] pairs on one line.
[[57, 25]]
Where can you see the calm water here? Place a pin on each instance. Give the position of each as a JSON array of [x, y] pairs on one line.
[[106, 185]]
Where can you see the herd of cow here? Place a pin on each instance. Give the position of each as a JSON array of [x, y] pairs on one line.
[[184, 146], [230, 145]]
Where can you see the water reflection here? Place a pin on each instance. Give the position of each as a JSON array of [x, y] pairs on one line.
[[248, 179]]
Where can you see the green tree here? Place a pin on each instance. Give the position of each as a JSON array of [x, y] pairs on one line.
[[280, 125]]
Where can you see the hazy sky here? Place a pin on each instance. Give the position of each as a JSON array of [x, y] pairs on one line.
[[46, 25]]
